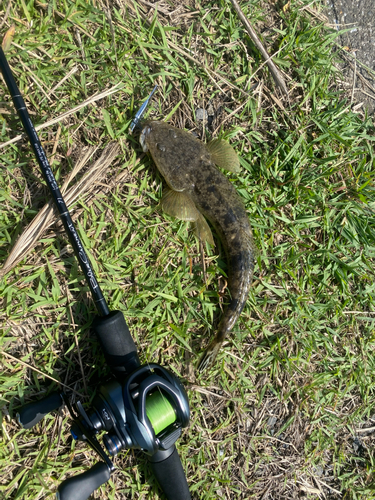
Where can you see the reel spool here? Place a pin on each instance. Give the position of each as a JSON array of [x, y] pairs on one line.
[[160, 412]]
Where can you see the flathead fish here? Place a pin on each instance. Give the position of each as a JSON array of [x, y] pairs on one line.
[[198, 190]]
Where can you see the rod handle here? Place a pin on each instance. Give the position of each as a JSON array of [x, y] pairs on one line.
[[167, 468], [117, 344]]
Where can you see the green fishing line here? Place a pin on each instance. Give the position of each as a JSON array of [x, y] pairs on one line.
[[159, 411]]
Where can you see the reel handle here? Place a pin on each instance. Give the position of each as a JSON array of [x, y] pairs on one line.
[[167, 468], [81, 486], [30, 414], [117, 344]]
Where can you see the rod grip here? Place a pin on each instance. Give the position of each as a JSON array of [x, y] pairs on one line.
[[30, 414], [81, 486], [167, 468], [117, 344]]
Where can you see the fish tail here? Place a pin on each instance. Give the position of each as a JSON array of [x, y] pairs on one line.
[[209, 355], [239, 286], [228, 320]]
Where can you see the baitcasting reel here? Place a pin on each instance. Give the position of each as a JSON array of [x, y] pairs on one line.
[[146, 412]]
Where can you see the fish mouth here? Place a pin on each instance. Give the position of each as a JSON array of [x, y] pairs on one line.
[[143, 137]]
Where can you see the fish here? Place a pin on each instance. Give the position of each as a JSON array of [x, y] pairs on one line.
[[197, 190]]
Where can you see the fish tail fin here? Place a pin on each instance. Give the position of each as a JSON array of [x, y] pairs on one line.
[[209, 355]]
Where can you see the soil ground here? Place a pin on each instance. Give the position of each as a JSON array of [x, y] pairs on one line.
[[357, 17]]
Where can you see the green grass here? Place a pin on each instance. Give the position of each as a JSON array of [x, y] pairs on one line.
[[281, 415]]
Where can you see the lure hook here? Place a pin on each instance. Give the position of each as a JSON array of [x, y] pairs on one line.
[[142, 109]]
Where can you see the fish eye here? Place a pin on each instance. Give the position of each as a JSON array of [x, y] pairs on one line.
[[161, 147], [142, 139]]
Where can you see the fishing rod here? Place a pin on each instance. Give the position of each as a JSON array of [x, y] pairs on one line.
[[142, 407]]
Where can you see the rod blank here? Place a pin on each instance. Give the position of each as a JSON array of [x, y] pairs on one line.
[[58, 199]]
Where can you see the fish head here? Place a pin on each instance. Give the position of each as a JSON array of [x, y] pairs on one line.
[[176, 153]]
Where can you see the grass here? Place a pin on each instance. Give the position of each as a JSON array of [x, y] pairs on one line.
[[283, 413]]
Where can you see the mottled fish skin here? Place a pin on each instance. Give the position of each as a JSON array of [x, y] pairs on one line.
[[187, 166]]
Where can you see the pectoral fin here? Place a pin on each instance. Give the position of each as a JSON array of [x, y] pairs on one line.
[[179, 205], [223, 155], [202, 230]]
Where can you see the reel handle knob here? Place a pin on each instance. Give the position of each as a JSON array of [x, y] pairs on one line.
[[167, 468], [30, 414], [81, 486]]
